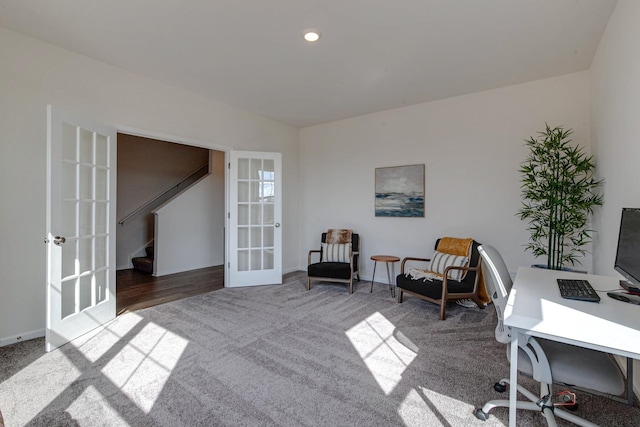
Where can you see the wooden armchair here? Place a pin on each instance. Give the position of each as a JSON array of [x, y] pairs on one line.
[[458, 280], [336, 264]]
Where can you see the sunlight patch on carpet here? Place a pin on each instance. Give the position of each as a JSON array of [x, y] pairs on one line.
[[144, 365], [385, 356], [440, 404], [91, 404], [40, 393], [101, 340], [413, 408]]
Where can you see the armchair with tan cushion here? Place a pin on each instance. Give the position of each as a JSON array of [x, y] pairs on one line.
[[452, 273]]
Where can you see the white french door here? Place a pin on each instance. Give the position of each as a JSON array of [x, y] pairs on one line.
[[254, 234], [80, 226]]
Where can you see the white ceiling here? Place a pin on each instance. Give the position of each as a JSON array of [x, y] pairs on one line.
[[374, 54]]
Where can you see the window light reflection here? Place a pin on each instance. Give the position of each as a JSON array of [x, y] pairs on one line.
[[385, 357], [144, 365]]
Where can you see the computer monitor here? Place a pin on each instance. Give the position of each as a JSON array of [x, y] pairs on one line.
[[628, 252]]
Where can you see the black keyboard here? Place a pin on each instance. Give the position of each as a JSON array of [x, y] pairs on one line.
[[577, 289]]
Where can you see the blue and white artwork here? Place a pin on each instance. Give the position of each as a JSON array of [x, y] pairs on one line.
[[400, 191]]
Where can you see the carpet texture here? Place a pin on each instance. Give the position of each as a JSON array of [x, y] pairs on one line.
[[275, 356]]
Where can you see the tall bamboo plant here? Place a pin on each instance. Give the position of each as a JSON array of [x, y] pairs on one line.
[[559, 194]]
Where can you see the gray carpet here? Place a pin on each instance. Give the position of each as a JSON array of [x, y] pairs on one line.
[[274, 356]]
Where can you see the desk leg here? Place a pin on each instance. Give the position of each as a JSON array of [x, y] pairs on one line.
[[629, 381], [374, 275], [393, 294], [513, 380]]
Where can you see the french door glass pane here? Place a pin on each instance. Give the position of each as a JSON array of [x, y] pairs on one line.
[[102, 150], [69, 258], [256, 237], [68, 176], [243, 214], [102, 217], [268, 260], [267, 239], [86, 218], [269, 166], [243, 237], [256, 214], [85, 289], [68, 220], [86, 146], [68, 297], [243, 191], [102, 181], [101, 255], [243, 260], [243, 168], [255, 192], [256, 167], [69, 142], [256, 259], [101, 286], [86, 182], [268, 213], [85, 255]]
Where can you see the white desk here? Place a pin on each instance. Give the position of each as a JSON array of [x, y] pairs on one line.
[[536, 308]]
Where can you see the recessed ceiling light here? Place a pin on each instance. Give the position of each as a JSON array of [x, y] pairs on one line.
[[312, 35]]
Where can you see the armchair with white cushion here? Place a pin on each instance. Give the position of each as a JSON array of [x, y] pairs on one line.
[[338, 258], [452, 273]]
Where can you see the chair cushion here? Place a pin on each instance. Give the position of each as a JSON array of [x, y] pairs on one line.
[[570, 363], [440, 261], [433, 288], [336, 252], [459, 247], [334, 270]]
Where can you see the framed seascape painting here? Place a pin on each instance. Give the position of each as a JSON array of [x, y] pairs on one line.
[[400, 191]]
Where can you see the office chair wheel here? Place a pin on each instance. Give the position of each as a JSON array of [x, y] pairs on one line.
[[500, 387], [480, 414], [571, 408]]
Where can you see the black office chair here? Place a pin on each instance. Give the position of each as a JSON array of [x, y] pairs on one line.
[[548, 362]]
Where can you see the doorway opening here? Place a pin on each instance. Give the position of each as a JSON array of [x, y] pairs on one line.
[[170, 213]]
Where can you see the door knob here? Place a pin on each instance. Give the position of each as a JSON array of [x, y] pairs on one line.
[[277, 224], [59, 240]]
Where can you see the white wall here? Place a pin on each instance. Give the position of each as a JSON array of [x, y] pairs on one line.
[[189, 229], [472, 147], [615, 85], [34, 74]]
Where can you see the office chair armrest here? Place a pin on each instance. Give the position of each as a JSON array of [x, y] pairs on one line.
[[412, 259], [311, 252]]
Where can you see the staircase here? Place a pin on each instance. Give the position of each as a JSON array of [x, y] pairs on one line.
[[144, 263]]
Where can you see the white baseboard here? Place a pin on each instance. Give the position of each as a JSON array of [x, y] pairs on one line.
[[22, 337]]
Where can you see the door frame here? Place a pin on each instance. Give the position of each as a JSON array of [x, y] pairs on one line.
[[145, 133]]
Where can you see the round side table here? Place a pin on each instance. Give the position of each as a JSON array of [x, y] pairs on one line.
[[387, 259]]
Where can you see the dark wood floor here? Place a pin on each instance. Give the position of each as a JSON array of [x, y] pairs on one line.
[[136, 290]]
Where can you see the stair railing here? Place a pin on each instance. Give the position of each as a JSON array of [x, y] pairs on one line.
[[202, 170]]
